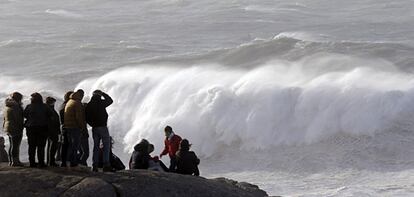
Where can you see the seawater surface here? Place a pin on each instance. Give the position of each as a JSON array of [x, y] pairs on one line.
[[303, 98]]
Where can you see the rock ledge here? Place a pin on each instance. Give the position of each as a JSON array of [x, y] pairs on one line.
[[62, 182]]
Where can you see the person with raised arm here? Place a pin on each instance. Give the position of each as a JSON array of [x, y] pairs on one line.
[[97, 118]]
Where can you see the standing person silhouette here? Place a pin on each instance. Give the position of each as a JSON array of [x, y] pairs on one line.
[[97, 118], [13, 126]]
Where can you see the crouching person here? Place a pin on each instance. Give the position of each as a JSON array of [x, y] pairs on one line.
[[140, 157], [3, 154], [187, 161]]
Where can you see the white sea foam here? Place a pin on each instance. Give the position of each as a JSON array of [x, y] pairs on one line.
[[63, 13], [280, 103]]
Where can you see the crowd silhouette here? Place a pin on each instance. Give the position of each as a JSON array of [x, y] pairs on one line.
[[64, 137]]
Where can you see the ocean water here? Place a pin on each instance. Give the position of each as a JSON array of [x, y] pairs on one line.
[[303, 98]]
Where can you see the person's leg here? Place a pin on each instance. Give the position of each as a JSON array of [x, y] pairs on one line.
[[52, 151], [96, 141], [74, 144], [17, 140], [10, 150], [85, 149], [41, 147], [48, 148], [64, 150], [32, 146], [173, 164], [106, 141], [163, 166]]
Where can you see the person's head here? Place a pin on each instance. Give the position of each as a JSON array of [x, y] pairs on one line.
[[1, 141], [36, 98], [185, 145], [168, 130], [50, 101], [67, 96], [96, 95], [16, 96], [81, 93]]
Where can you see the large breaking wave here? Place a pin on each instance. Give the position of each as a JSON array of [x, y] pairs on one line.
[[276, 100]]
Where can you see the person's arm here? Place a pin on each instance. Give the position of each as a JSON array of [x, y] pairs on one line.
[[80, 117], [165, 151], [107, 99], [9, 116]]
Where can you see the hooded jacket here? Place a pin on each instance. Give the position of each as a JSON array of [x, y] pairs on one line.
[[74, 116], [140, 157], [13, 118], [96, 114]]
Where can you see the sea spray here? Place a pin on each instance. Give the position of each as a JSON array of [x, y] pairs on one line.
[[278, 103]]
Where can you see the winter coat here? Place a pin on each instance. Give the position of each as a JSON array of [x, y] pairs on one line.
[[54, 123], [62, 113], [187, 163], [140, 157], [96, 114], [171, 145], [13, 118], [37, 114], [4, 157], [74, 116]]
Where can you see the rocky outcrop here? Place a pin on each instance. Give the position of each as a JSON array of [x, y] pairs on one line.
[[24, 181]]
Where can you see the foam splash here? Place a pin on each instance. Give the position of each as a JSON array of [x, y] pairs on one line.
[[64, 13], [278, 103]]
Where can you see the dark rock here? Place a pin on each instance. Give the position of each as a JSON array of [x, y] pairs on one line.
[[21, 181]]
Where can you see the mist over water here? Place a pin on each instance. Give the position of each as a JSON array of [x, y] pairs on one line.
[[302, 98]]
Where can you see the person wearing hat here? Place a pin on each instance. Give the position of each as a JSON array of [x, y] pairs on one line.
[[13, 126], [187, 161], [172, 143], [97, 118], [75, 126], [53, 134], [140, 157]]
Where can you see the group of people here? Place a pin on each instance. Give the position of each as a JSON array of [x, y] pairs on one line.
[[182, 160], [66, 135]]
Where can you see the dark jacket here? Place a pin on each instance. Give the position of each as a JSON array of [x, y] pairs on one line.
[[96, 115], [187, 163], [37, 114], [54, 123], [13, 118], [62, 113], [140, 157]]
